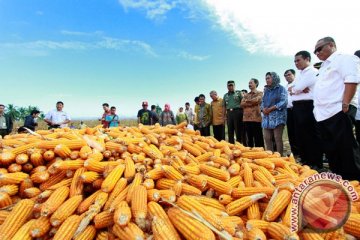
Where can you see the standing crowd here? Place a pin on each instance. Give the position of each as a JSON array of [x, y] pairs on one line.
[[318, 106]]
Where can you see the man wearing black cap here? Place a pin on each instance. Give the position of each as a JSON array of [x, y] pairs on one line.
[[234, 114], [144, 115]]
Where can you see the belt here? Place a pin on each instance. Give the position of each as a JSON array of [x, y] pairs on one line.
[[302, 101], [233, 109]]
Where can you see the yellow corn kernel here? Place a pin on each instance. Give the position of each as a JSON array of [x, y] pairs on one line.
[[17, 217], [122, 215], [65, 210], [243, 203], [190, 228], [68, 228], [54, 201], [139, 205]]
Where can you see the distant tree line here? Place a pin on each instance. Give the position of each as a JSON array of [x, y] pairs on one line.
[[19, 113]]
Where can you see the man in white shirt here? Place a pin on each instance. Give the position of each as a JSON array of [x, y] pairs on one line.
[[189, 113], [334, 91], [301, 93], [290, 77], [57, 118]]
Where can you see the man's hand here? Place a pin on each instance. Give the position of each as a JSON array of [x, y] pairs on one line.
[[345, 107], [306, 90]]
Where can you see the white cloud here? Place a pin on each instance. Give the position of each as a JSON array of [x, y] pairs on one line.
[[76, 33], [40, 13], [192, 57], [104, 43], [285, 27], [155, 9]]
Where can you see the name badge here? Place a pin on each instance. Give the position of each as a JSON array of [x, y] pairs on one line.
[[4, 124]]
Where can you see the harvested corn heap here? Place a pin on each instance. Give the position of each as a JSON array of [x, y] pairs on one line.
[[137, 182]]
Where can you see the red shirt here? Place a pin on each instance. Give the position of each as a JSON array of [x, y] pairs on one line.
[[103, 121]]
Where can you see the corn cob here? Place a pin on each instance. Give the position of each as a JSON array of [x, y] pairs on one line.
[[172, 173], [85, 152], [71, 144], [88, 234], [89, 176], [23, 232], [248, 175], [40, 177], [122, 215], [139, 205], [161, 230], [219, 186], [54, 201], [188, 204], [215, 172], [238, 193], [12, 178], [255, 223], [129, 168], [155, 210], [154, 174], [65, 210], [5, 200], [119, 187], [279, 231], [307, 234], [277, 205], [22, 149], [352, 225], [111, 180], [68, 228], [190, 228], [112, 146], [153, 195], [3, 215], [131, 231], [234, 181], [22, 158], [253, 212], [243, 203], [104, 219], [76, 187], [204, 157], [225, 199], [136, 182], [122, 196], [53, 179], [262, 179], [40, 227], [149, 184], [18, 216], [191, 149], [211, 202]]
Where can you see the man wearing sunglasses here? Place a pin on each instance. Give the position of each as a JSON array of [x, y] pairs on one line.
[[334, 91]]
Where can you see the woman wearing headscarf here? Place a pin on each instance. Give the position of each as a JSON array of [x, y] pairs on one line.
[[167, 116], [273, 107]]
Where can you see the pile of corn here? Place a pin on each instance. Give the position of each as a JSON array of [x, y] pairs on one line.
[[147, 182]]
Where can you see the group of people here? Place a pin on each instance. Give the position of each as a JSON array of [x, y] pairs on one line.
[[318, 106]]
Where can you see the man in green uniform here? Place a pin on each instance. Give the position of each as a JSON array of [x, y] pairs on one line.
[[234, 113]]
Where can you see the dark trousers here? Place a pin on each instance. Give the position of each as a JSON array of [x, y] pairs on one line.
[[357, 130], [219, 132], [340, 146], [254, 134], [306, 135], [205, 131], [3, 132], [291, 132], [235, 124]]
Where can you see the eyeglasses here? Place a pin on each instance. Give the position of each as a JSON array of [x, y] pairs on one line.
[[318, 49]]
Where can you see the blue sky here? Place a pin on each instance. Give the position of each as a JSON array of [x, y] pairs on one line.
[[126, 51]]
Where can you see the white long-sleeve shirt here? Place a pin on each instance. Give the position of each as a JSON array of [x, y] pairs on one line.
[[329, 89], [305, 79]]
